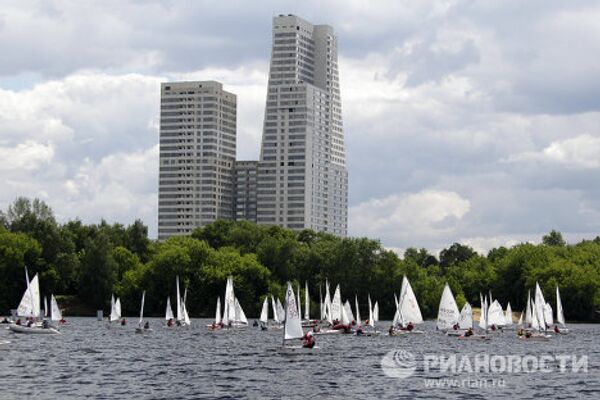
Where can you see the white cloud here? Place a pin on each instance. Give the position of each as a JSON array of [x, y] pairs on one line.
[[581, 151], [401, 220], [27, 156]]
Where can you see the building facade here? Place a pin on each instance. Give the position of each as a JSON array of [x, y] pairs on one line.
[[197, 156], [245, 182], [302, 174]]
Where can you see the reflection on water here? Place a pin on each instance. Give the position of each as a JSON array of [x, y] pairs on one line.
[[91, 361]]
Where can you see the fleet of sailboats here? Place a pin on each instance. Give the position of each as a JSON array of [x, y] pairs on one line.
[[535, 322]]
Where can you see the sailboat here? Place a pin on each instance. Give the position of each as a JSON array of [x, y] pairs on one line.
[[560, 317], [218, 324], [169, 317], [233, 314], [55, 313], [408, 312], [495, 316], [306, 321], [336, 314], [182, 318], [29, 308], [264, 315], [538, 320], [115, 310], [508, 317], [448, 313], [142, 328], [292, 327]]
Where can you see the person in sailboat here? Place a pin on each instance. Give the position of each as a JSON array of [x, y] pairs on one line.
[[178, 323], [18, 322], [255, 323], [29, 322], [455, 326], [359, 331], [123, 322], [410, 326], [556, 329], [170, 322], [391, 331], [45, 324], [469, 332], [308, 341]]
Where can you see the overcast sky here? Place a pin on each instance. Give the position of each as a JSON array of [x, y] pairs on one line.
[[465, 121]]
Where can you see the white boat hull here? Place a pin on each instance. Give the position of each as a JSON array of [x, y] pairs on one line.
[[33, 330]]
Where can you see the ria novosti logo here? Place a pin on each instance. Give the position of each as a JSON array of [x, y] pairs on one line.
[[398, 364], [402, 364]]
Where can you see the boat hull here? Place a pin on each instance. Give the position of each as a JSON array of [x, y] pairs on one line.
[[33, 331]]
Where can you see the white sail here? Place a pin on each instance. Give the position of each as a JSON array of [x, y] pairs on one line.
[[306, 302], [358, 321], [508, 315], [169, 311], [409, 307], [45, 306], [448, 311], [535, 323], [520, 322], [371, 322], [218, 312], [483, 324], [55, 313], [539, 306], [465, 320], [495, 314], [548, 317], [113, 314], [186, 317], [322, 314], [229, 304], [264, 314], [293, 326], [178, 310], [528, 309], [30, 303], [118, 308], [348, 311], [376, 312], [240, 316], [344, 317], [560, 317], [299, 302], [276, 317], [327, 303], [336, 305], [280, 311], [142, 308]]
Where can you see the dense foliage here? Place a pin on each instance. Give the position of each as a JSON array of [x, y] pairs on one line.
[[89, 262]]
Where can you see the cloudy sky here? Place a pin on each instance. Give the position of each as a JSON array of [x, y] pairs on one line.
[[465, 121]]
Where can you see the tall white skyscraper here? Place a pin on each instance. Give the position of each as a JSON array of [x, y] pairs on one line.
[[197, 156], [302, 175]]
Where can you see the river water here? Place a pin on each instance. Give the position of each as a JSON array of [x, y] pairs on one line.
[[91, 361]]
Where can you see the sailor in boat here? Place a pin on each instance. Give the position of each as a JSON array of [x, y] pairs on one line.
[[391, 331], [123, 322], [18, 322], [556, 329], [455, 326], [493, 327], [62, 321], [170, 322], [178, 323], [308, 341], [255, 323], [29, 322], [359, 331], [520, 332], [147, 325], [410, 326], [528, 334], [45, 324], [469, 332]]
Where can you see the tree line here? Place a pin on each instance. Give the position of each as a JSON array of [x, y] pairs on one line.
[[86, 263]]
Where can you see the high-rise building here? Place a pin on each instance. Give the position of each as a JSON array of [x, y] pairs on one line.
[[302, 175], [245, 180], [197, 156]]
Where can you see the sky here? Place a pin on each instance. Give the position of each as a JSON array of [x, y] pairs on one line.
[[465, 121]]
